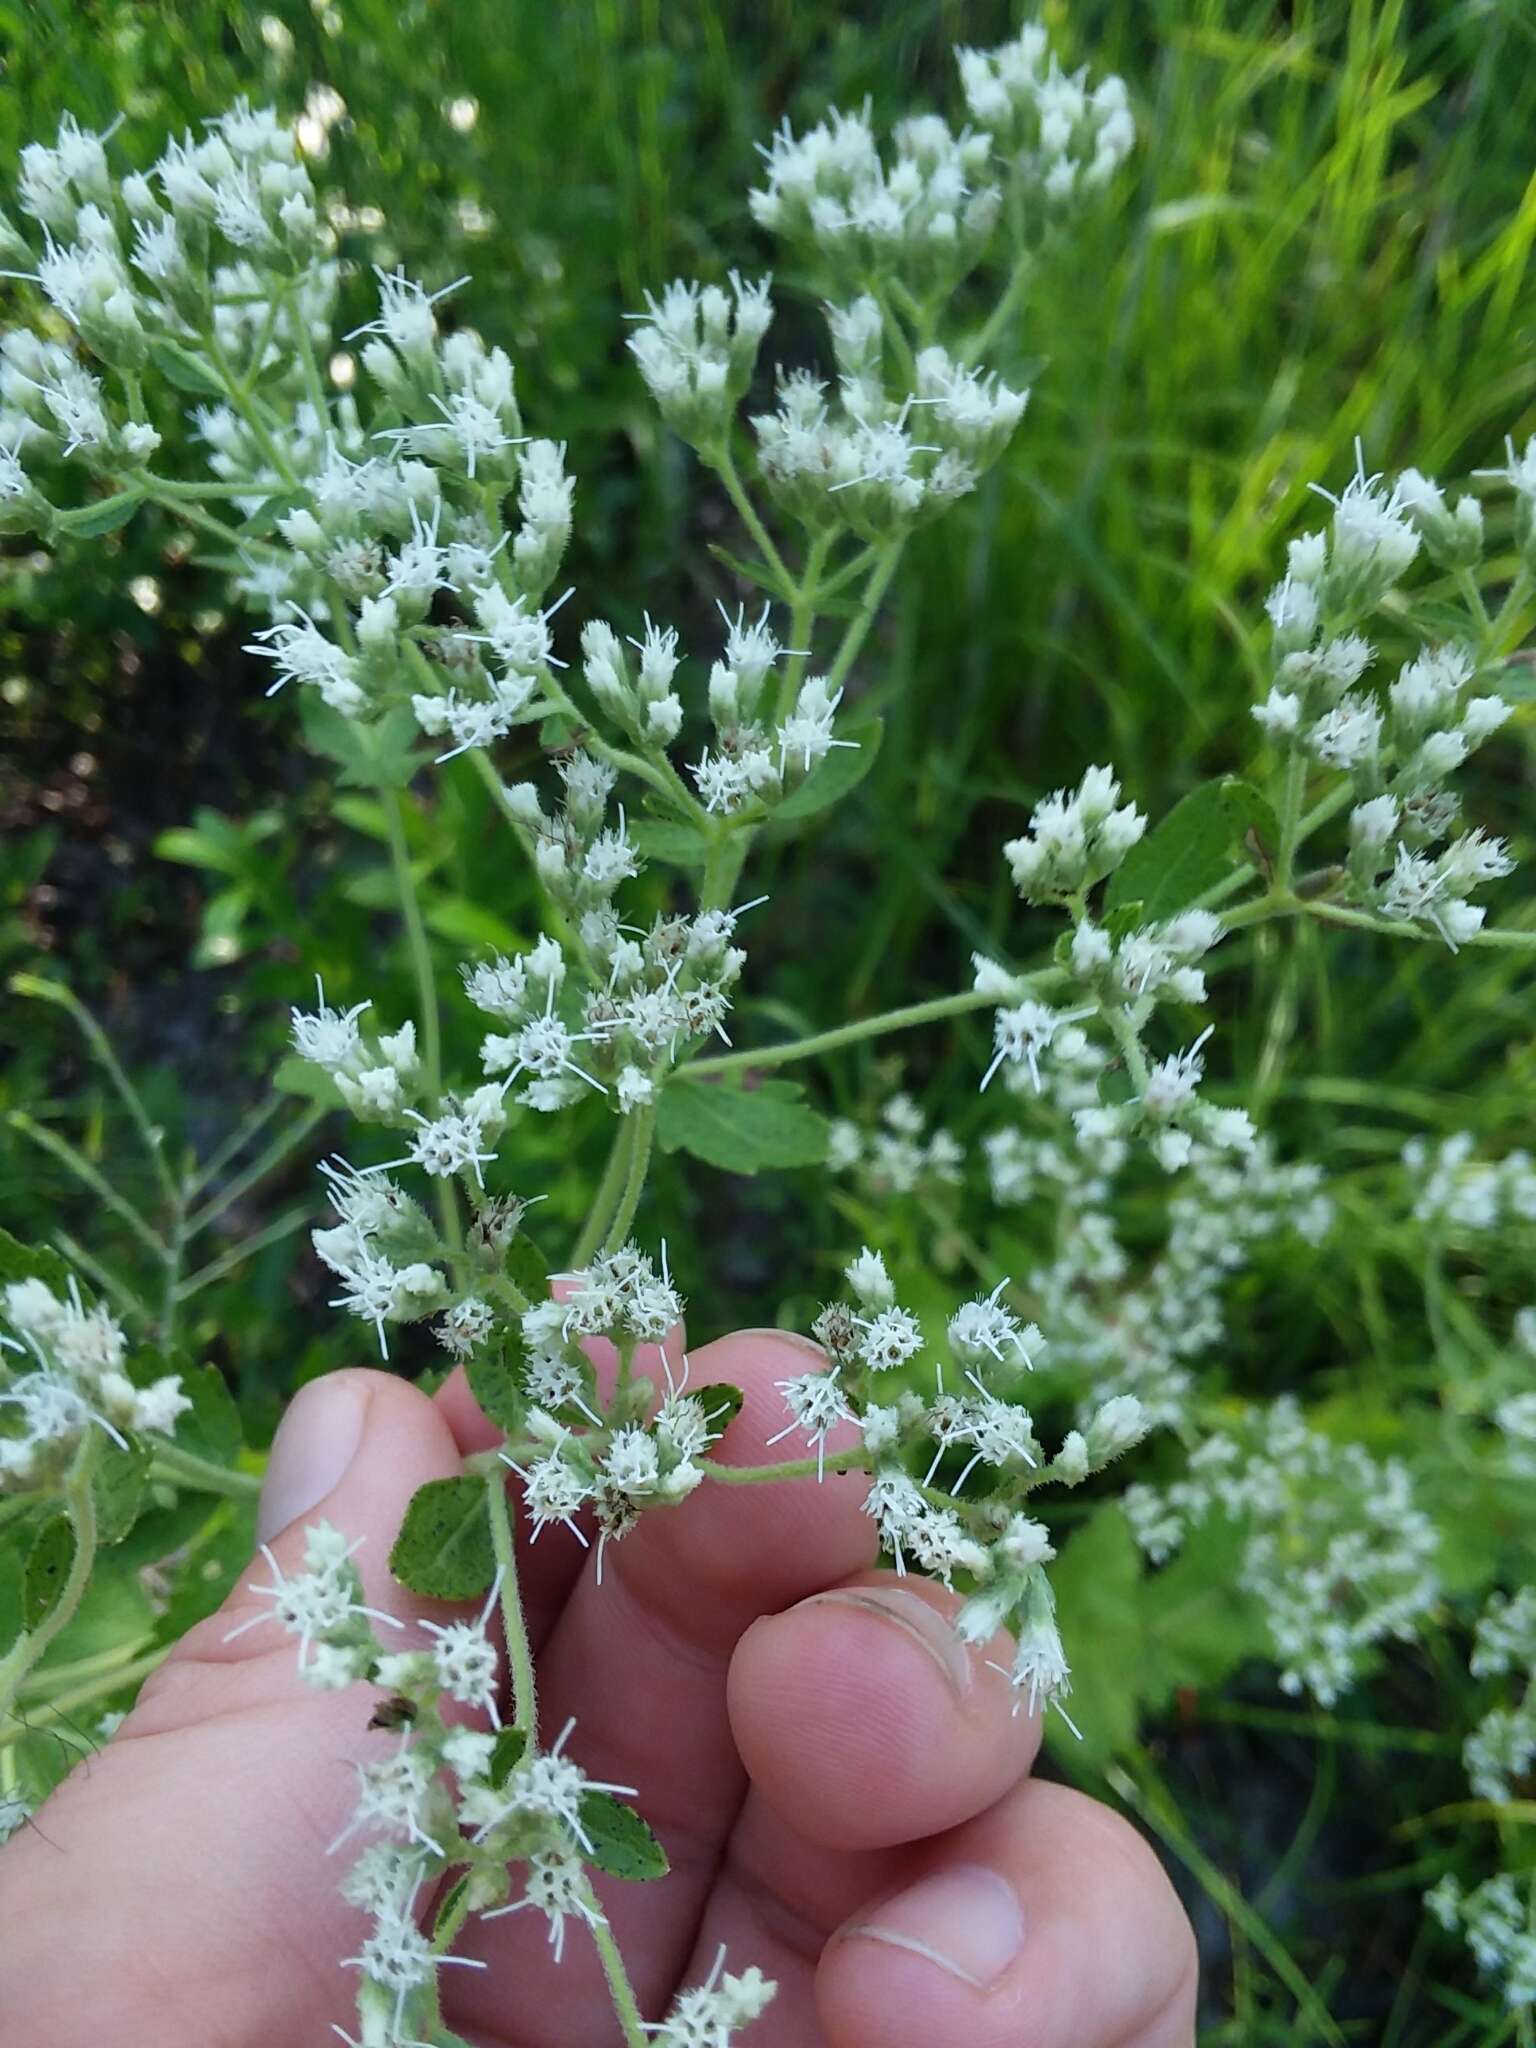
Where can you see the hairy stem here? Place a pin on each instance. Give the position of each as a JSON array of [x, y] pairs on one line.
[[525, 1691], [606, 1200], [643, 1119], [906, 1019], [626, 2006], [202, 1475], [79, 1504], [724, 465], [787, 1468], [426, 984]]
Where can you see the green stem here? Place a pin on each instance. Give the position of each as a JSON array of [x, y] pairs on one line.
[[282, 1147], [426, 986], [1001, 313], [864, 617], [64, 1705], [626, 2006], [79, 1504], [525, 1691], [606, 1200], [66, 1154], [906, 1019], [1125, 1035], [724, 465], [230, 1261], [1292, 794], [722, 867], [416, 941], [787, 1468], [60, 1678], [802, 625], [1339, 913], [48, 991], [202, 1475], [644, 1120], [659, 774]]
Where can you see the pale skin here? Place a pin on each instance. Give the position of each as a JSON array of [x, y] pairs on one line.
[[844, 1790]]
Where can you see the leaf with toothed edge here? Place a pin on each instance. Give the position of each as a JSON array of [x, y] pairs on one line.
[[444, 1547], [622, 1843]]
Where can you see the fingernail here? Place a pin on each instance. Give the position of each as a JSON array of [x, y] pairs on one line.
[[965, 1920], [315, 1443], [800, 1342], [920, 1623]]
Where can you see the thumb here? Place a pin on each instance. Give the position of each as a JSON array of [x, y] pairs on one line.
[[225, 1786]]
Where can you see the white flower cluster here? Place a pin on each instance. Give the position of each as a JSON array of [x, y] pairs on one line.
[[926, 215], [897, 1156], [1501, 1750], [381, 1249], [768, 735], [1062, 138], [393, 577], [926, 212], [1073, 841], [650, 993], [879, 463], [1497, 1920], [449, 1796], [697, 349], [1334, 1547], [615, 1463], [1400, 750], [923, 1448], [159, 257], [1457, 1196], [1126, 1320], [73, 1376], [712, 2013]]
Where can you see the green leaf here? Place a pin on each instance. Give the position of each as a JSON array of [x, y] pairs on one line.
[[13, 1578], [721, 1402], [296, 1076], [382, 753], [48, 1562], [118, 1486], [107, 515], [20, 1261], [1098, 1583], [492, 1376], [449, 1900], [507, 1755], [842, 770], [211, 1426], [1198, 1625], [666, 839], [528, 1270], [622, 1844], [444, 1546], [740, 1129], [1192, 850], [185, 370]]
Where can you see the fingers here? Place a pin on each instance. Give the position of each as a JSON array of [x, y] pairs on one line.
[[227, 1784], [1046, 1921], [862, 1717], [640, 1662]]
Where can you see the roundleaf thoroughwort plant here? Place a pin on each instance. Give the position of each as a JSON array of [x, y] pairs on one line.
[[400, 553]]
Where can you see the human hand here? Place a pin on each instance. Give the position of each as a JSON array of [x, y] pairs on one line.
[[842, 1787]]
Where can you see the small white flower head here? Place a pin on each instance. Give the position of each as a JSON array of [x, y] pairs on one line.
[[983, 1333], [1074, 840], [869, 1281], [465, 1659], [1373, 540], [889, 1338], [817, 1404], [556, 1886]]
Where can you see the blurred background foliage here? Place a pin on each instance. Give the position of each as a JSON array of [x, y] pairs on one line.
[[1326, 234]]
